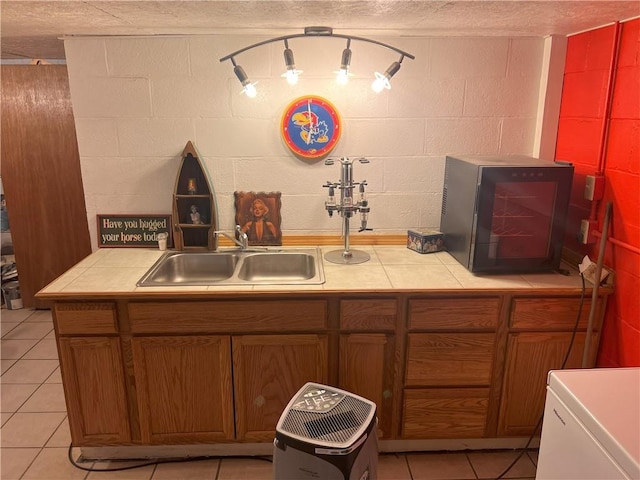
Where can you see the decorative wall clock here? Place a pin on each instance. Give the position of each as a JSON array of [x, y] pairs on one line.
[[311, 126]]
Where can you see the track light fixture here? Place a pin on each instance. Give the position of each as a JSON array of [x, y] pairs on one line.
[[291, 74], [248, 88], [382, 79], [381, 82], [343, 74]]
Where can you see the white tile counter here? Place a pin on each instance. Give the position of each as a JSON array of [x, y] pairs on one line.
[[390, 268]]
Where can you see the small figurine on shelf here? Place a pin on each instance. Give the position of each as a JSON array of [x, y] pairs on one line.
[[191, 186], [195, 217]]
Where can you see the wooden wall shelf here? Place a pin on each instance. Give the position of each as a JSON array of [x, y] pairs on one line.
[[194, 209]]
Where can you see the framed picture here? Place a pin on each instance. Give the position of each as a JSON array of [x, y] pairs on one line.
[[258, 214]]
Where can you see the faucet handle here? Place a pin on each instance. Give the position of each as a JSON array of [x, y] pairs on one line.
[[242, 237]]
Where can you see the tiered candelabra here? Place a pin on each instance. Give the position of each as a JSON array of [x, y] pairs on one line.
[[347, 208]]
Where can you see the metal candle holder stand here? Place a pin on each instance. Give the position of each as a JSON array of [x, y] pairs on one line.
[[346, 209]]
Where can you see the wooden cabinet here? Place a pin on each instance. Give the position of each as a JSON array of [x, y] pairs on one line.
[[367, 354], [194, 209], [541, 331], [184, 388], [189, 368], [445, 413], [93, 372], [93, 375], [267, 371], [197, 383], [449, 359], [451, 350]]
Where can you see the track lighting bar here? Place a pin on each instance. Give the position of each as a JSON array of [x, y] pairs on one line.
[[291, 74]]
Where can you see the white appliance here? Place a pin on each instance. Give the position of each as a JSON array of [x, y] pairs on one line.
[[326, 433], [591, 427]]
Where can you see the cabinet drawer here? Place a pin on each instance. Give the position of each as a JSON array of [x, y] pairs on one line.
[[549, 313], [85, 318], [445, 413], [363, 314], [453, 312], [449, 359], [228, 316]]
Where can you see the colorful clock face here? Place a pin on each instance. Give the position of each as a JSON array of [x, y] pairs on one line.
[[311, 126]]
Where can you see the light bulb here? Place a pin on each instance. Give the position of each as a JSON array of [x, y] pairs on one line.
[[250, 90], [343, 76], [247, 87], [291, 76], [380, 83], [382, 79]]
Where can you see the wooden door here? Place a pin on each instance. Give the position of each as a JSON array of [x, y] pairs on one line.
[[267, 371], [93, 375], [184, 388], [530, 356], [41, 176], [366, 369]]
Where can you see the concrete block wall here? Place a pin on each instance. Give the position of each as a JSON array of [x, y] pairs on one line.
[[137, 101]]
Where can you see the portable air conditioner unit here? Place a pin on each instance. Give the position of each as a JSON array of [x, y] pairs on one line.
[[326, 433]]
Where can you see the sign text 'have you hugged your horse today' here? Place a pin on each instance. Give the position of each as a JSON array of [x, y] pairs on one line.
[[132, 230]]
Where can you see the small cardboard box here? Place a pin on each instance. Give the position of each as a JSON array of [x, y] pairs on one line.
[[425, 241]]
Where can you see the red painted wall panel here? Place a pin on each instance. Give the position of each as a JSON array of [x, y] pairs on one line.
[[623, 148], [584, 151], [580, 132], [583, 94], [589, 51], [626, 100]]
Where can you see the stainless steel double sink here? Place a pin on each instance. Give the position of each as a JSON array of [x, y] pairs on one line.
[[237, 267]]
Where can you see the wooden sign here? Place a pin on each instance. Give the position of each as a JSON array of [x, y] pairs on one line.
[[132, 230]]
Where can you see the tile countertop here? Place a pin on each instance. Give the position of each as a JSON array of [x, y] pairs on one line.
[[391, 268]]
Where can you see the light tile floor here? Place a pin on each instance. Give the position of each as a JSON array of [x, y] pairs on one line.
[[35, 433]]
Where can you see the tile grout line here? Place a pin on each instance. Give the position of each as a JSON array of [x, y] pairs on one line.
[[466, 455]]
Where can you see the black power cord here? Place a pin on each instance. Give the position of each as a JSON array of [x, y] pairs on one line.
[[564, 364], [159, 462]]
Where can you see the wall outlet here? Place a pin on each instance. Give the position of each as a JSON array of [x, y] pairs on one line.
[[587, 229], [593, 187]]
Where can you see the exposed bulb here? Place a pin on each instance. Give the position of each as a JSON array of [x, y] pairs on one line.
[[343, 76], [380, 83], [382, 79], [292, 76], [250, 90]]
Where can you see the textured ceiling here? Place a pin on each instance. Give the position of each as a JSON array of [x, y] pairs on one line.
[[32, 29]]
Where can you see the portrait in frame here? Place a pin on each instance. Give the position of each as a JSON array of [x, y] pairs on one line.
[[258, 214]]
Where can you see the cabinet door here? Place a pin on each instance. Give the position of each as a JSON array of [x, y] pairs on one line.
[[184, 388], [93, 375], [267, 371], [445, 413], [366, 369], [449, 359], [530, 356]]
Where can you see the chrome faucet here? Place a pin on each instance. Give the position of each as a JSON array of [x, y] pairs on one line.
[[240, 238]]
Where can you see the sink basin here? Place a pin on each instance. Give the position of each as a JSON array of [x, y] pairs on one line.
[[201, 268], [278, 267], [269, 267]]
